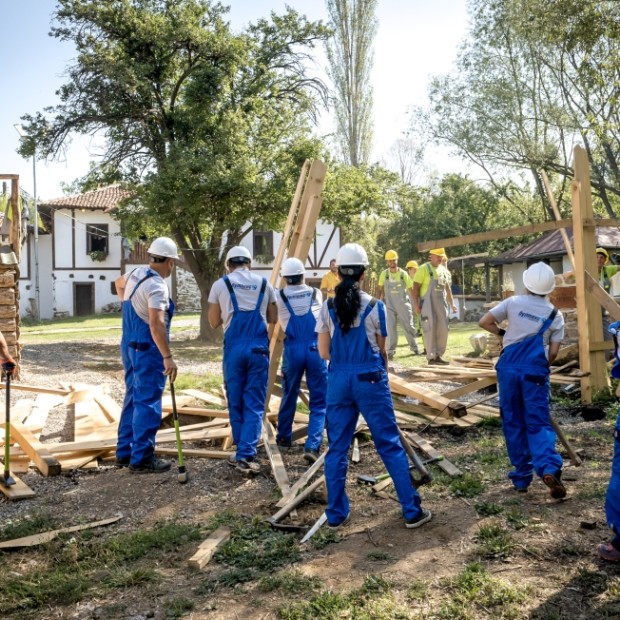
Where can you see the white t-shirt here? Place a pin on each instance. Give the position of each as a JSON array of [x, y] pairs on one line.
[[526, 314], [299, 296], [372, 324], [247, 287], [152, 293]]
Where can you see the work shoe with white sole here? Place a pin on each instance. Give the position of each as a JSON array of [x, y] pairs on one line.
[[154, 466], [424, 517], [232, 460], [344, 522], [248, 467], [556, 489], [122, 461]]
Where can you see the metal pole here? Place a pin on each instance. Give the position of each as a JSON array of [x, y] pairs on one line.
[[37, 298]]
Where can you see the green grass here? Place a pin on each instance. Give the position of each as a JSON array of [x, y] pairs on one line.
[[458, 344], [374, 600], [474, 592], [75, 568], [467, 485], [494, 541], [39, 521], [291, 582]]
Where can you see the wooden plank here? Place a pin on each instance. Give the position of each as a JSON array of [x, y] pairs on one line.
[[198, 411], [199, 453], [445, 407], [302, 481], [19, 490], [43, 459], [275, 458], [207, 397], [208, 547], [602, 296], [111, 409], [39, 412], [43, 537], [589, 317], [558, 216], [33, 388], [480, 384]]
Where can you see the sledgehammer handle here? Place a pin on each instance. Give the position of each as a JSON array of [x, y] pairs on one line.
[[425, 475]]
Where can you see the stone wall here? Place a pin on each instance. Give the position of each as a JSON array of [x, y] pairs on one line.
[[186, 292], [9, 325]]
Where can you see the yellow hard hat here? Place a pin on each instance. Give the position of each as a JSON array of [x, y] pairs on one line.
[[438, 252], [604, 252], [412, 263], [391, 255]]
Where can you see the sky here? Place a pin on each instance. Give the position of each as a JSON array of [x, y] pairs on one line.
[[416, 39]]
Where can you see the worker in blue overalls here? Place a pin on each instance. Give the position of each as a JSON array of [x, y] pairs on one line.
[[611, 551], [298, 308], [243, 303], [352, 334], [530, 344], [145, 350]]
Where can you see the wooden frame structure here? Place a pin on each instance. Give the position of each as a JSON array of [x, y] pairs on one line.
[[590, 296]]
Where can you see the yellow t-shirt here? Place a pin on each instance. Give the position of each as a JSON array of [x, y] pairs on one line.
[[400, 275], [423, 276], [330, 281]]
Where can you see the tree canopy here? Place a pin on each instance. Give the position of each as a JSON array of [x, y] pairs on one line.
[[209, 127], [534, 78]]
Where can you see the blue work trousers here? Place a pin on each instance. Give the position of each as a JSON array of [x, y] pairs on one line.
[[364, 390], [141, 413], [300, 357], [246, 370], [530, 438], [612, 499]]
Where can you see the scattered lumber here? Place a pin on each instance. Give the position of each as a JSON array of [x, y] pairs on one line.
[[43, 537], [208, 547]]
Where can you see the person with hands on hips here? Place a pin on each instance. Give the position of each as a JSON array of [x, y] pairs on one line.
[[145, 350], [243, 303], [530, 344], [352, 335], [330, 280]]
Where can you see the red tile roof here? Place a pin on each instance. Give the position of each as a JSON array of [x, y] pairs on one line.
[[105, 198]]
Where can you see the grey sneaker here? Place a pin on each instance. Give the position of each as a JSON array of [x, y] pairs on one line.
[[311, 455], [154, 466], [424, 517], [248, 467]]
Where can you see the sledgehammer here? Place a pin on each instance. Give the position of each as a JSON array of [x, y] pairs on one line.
[[372, 480], [425, 475]]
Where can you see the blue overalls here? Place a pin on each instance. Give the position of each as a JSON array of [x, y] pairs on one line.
[[612, 499], [357, 383], [144, 384], [301, 354], [246, 372], [523, 377]]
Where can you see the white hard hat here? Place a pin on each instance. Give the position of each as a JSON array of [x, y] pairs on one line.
[[292, 267], [238, 252], [539, 279], [164, 246], [351, 254]]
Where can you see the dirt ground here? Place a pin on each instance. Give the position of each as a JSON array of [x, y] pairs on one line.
[[552, 555]]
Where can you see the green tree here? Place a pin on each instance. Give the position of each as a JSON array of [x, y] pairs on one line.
[[533, 79], [209, 128], [350, 57]]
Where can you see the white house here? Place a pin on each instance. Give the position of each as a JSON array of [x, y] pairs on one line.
[[84, 253], [80, 258]]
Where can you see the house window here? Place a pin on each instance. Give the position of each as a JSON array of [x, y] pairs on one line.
[[97, 238], [263, 246]]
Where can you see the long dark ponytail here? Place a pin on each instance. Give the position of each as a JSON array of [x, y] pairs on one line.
[[347, 302]]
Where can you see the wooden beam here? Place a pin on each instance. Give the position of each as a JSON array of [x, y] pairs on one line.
[[527, 229], [589, 317], [480, 384], [594, 287], [39, 453], [445, 407], [558, 217], [19, 490], [207, 548]]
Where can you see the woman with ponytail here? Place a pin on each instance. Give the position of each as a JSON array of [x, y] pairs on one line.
[[352, 334]]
